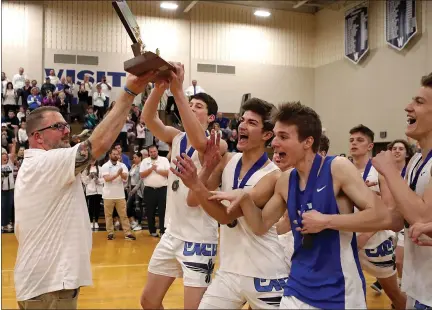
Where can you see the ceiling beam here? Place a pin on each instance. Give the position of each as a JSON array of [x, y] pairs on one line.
[[190, 6], [299, 4]]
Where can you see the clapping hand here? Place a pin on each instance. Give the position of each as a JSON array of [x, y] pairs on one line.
[[120, 171]]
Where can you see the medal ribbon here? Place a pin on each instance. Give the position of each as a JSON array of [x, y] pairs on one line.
[[256, 166]]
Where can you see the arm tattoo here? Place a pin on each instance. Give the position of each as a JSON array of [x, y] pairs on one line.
[[83, 156]]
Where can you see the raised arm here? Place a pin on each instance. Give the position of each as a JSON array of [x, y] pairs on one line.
[[109, 128], [193, 128], [151, 118], [413, 208], [373, 216]]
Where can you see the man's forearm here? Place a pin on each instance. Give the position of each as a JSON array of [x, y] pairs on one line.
[[146, 173], [109, 128], [192, 126], [213, 208], [204, 175], [163, 173], [411, 206], [253, 215], [150, 114], [110, 178], [368, 220]]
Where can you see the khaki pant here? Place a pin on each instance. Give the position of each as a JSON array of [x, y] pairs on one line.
[[64, 299], [120, 205]]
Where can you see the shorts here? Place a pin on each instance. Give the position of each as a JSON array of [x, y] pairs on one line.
[[287, 242], [400, 237], [415, 304], [381, 261], [291, 302], [194, 262], [232, 291]]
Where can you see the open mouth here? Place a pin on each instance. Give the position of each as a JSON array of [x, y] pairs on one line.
[[282, 155], [411, 120], [243, 138]]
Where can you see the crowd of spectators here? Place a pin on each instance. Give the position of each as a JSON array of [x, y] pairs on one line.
[[86, 104]]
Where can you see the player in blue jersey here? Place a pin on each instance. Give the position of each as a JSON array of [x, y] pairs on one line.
[[325, 271]]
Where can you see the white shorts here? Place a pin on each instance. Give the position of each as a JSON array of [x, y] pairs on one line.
[[400, 237], [232, 291], [291, 302], [194, 262], [287, 242], [414, 304], [381, 261]]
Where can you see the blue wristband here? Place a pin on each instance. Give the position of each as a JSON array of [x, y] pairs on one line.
[[129, 91]]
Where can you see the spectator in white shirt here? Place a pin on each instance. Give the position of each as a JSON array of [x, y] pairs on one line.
[[194, 89], [8, 185], [21, 114], [93, 181], [115, 173], [140, 139], [88, 86], [99, 101], [18, 83], [51, 217], [22, 135], [136, 186], [106, 90], [53, 78], [154, 170], [4, 80]]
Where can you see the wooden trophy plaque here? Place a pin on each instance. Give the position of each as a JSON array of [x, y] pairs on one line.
[[144, 61]]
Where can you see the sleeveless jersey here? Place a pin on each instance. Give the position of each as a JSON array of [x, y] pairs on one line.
[[241, 251], [417, 268], [380, 236], [328, 275], [191, 224]]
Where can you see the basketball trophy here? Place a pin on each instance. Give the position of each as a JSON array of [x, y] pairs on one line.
[[144, 61]]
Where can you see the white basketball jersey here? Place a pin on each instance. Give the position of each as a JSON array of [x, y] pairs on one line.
[[241, 251], [417, 268], [380, 236], [186, 223]]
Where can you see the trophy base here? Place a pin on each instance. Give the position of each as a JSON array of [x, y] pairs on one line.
[[146, 62]]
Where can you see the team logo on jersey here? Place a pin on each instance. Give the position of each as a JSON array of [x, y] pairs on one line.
[[199, 249], [207, 269], [266, 285]]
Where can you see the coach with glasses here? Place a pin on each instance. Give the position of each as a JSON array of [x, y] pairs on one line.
[[51, 217]]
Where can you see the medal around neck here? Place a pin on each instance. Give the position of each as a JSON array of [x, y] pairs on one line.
[[144, 61], [175, 185]]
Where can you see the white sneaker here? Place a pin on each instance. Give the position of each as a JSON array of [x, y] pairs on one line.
[[133, 224], [137, 228], [117, 224], [91, 226], [9, 227], [96, 225]]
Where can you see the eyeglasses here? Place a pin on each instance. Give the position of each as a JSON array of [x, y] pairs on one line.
[[57, 126]]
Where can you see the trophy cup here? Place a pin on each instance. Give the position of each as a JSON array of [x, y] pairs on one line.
[[144, 61]]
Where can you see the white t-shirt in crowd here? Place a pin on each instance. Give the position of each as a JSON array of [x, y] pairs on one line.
[[154, 179], [105, 89], [98, 99], [115, 188], [7, 176], [51, 224]]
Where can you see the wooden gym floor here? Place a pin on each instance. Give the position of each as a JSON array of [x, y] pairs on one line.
[[119, 274]]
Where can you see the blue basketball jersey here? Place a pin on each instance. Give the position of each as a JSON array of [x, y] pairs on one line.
[[326, 275]]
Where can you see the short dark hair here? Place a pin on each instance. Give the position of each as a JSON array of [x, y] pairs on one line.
[[212, 107], [426, 80], [152, 146], [36, 116], [112, 150], [306, 120], [263, 108], [324, 145], [363, 130], [409, 150], [139, 154]]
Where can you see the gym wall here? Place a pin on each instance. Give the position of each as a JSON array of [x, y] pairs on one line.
[[376, 91], [288, 56]]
